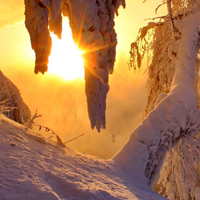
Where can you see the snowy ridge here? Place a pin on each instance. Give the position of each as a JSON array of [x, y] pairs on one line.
[[32, 168], [174, 117]]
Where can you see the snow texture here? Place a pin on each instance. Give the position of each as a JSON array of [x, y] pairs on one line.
[[92, 24], [174, 117], [12, 103], [33, 167]]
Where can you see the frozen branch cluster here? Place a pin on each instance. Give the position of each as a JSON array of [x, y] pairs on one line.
[[92, 24], [174, 117], [154, 40], [11, 102]]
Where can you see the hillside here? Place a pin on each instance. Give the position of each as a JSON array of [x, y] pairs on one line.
[[33, 167]]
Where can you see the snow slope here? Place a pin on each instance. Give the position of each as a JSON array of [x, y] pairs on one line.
[[33, 167]]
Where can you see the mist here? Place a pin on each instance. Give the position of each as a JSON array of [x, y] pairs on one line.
[[11, 12], [61, 103], [64, 109]]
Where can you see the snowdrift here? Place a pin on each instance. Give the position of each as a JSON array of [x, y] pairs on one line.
[[33, 167]]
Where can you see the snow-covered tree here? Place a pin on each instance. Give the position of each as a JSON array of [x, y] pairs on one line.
[[179, 178], [11, 102], [172, 119], [92, 24]]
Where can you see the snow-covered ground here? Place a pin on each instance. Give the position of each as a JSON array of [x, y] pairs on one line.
[[33, 167]]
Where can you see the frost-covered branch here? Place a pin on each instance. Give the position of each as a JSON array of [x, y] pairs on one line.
[[3, 108], [175, 115], [143, 44]]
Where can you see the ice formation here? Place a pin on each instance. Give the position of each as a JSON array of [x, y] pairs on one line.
[[92, 24], [10, 98], [175, 116]]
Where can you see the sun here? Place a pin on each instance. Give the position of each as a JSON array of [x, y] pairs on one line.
[[66, 59]]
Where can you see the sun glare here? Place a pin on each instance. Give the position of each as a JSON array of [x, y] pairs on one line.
[[65, 59]]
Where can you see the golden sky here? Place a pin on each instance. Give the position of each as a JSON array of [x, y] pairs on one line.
[[63, 103], [11, 12]]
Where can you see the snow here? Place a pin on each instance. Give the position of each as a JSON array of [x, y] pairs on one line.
[[33, 167]]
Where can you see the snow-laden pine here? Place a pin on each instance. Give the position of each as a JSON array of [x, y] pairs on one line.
[[92, 24], [179, 178], [12, 104]]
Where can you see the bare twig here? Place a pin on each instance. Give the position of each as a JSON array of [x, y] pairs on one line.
[[35, 116], [74, 138], [31, 123], [169, 8], [59, 141], [159, 7], [160, 17]]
